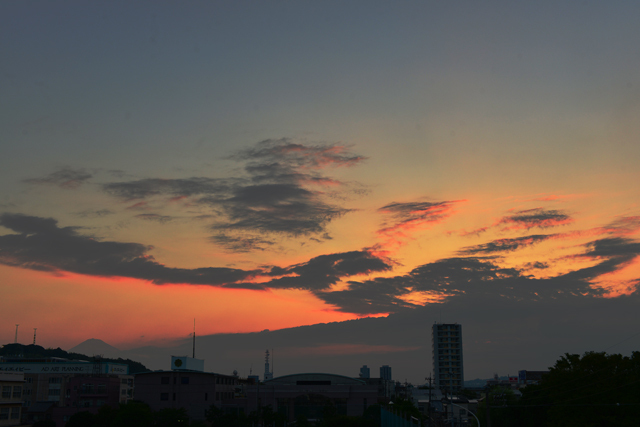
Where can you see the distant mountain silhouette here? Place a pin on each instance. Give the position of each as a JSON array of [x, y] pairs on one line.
[[94, 346]]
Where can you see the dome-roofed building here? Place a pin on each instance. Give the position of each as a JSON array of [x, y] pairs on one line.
[[312, 394]]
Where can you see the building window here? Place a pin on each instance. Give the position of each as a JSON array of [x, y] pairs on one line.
[[217, 395], [6, 392], [54, 392], [4, 413], [206, 396], [185, 380], [163, 380], [174, 397], [55, 380], [164, 396]]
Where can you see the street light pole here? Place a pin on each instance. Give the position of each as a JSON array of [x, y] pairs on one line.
[[474, 415], [451, 393]]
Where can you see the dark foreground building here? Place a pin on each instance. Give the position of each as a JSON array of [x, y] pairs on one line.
[[309, 394], [293, 396], [192, 390]]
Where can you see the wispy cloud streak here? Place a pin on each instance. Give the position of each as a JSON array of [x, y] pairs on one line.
[[534, 218], [67, 177], [408, 217]]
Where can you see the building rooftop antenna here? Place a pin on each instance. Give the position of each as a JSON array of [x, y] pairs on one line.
[[194, 337], [34, 335]]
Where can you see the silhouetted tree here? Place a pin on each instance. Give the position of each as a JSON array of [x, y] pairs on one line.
[[81, 419], [593, 390], [169, 417], [133, 414]]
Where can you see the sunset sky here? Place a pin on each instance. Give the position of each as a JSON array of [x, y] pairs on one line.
[[267, 165]]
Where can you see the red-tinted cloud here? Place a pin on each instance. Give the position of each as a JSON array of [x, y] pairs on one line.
[[623, 226], [410, 217]]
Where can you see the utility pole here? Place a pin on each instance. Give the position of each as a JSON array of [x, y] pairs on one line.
[[451, 395], [16, 341], [34, 336], [487, 398], [429, 408]]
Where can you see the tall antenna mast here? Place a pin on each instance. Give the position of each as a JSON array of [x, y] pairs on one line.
[[34, 336], [267, 372], [16, 341], [194, 337]]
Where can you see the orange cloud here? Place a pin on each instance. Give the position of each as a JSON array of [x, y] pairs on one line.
[[623, 281]]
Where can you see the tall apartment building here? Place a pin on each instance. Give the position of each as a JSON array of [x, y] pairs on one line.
[[447, 357], [365, 372], [385, 372]]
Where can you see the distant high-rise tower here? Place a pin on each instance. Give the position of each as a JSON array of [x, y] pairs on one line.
[[447, 356], [385, 372], [365, 372], [267, 373]]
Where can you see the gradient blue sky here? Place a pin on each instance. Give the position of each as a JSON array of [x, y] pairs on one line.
[[499, 131]]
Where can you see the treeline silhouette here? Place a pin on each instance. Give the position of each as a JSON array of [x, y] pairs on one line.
[[592, 390], [32, 351]]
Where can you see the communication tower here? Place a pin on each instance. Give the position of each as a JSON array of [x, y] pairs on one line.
[[268, 374]]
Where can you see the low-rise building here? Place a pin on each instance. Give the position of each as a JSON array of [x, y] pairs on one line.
[[192, 390], [530, 377], [308, 395], [56, 388], [11, 398]]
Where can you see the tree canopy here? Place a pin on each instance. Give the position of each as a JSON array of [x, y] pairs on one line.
[[592, 390]]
